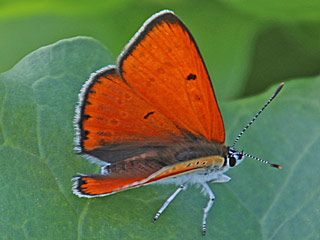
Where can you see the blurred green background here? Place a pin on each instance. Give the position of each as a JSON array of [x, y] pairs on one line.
[[247, 45]]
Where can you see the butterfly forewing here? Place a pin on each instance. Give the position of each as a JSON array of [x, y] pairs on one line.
[[163, 63], [113, 114]]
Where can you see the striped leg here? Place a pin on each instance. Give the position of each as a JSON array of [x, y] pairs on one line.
[[168, 201], [207, 209]]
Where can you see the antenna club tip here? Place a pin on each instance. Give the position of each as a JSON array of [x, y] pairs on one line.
[[276, 166], [281, 84]]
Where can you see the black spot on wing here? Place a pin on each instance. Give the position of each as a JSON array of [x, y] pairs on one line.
[[85, 134], [191, 77], [148, 115], [86, 116]]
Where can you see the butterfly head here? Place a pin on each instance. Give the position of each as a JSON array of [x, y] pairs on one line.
[[234, 157]]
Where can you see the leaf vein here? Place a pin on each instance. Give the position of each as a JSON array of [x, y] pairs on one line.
[[298, 209], [287, 180]]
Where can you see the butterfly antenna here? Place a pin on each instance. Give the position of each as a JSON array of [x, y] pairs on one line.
[[261, 160], [255, 117]]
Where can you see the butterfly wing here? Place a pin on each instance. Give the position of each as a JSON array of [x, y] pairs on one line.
[[114, 122], [163, 64], [102, 185], [158, 95], [165, 93]]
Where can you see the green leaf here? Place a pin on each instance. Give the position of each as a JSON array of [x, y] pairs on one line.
[[284, 202], [38, 97]]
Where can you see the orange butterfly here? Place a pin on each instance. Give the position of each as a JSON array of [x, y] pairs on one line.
[[153, 118]]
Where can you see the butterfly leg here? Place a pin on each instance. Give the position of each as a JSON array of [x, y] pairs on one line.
[[207, 209], [168, 201]]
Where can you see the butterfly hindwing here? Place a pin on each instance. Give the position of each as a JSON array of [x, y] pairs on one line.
[[130, 176]]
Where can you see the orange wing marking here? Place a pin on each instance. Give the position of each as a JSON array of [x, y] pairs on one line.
[[186, 167], [102, 185]]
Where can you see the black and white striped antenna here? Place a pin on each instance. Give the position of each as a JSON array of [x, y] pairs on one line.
[[261, 160], [258, 113], [250, 123]]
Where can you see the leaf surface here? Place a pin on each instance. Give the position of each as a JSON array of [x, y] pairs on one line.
[[37, 99]]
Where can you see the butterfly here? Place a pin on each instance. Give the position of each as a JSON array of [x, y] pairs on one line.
[[153, 118]]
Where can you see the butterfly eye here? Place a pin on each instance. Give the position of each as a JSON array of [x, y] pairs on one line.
[[232, 161]]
